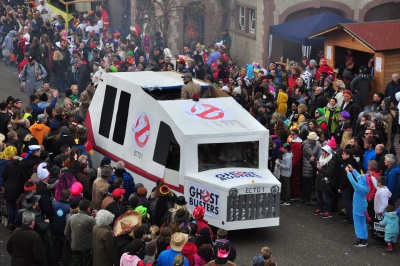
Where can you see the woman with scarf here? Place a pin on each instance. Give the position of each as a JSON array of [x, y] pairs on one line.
[[324, 181], [331, 113]]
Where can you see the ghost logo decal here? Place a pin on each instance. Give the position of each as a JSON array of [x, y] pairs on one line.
[[207, 111], [142, 130]]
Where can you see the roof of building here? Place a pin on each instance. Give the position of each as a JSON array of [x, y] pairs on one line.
[[377, 35]]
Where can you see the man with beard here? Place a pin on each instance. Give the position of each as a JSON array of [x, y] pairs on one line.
[[33, 75], [190, 88], [376, 103]]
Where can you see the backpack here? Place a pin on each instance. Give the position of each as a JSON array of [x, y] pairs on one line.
[[129, 260]]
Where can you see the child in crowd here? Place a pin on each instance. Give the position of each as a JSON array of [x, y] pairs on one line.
[[391, 223]]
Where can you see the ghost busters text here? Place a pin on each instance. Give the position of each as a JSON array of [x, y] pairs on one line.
[[203, 197]]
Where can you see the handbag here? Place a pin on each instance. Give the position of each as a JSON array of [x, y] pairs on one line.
[[378, 231]]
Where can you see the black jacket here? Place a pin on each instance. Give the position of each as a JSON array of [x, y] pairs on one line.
[[4, 119], [26, 167], [344, 182], [45, 200], [14, 186], [354, 110], [64, 140], [321, 100], [380, 158]]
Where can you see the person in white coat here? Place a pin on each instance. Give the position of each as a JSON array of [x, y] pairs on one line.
[[44, 10]]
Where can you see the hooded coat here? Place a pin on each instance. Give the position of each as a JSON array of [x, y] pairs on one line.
[[359, 87], [361, 189], [286, 164], [391, 223], [392, 182], [39, 130]]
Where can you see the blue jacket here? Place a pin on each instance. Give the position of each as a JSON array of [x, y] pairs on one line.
[[391, 223], [36, 110], [60, 211], [361, 190], [392, 175], [368, 156], [167, 258]]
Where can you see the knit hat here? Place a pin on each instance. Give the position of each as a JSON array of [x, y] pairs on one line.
[[348, 92], [238, 90], [329, 79], [332, 143], [42, 171], [29, 185], [64, 130], [320, 111], [130, 53], [313, 62]]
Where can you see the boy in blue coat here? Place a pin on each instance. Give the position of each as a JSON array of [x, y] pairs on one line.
[[391, 223], [360, 204]]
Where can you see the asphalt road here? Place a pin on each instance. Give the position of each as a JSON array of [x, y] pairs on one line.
[[301, 239]]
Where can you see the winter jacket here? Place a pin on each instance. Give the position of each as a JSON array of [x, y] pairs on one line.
[[391, 223], [213, 58], [286, 164], [64, 140], [201, 223], [13, 186], [359, 87], [324, 68], [36, 110], [368, 156], [381, 199], [40, 227], [26, 167], [120, 243], [380, 158], [332, 112], [28, 75], [45, 203], [25, 247], [199, 261], [4, 119], [78, 231], [361, 189], [59, 67], [391, 89], [103, 246], [392, 175], [372, 189], [325, 176], [320, 101], [100, 188], [60, 211], [308, 151], [8, 41], [3, 165]]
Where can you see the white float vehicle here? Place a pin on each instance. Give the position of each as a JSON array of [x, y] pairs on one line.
[[211, 151]]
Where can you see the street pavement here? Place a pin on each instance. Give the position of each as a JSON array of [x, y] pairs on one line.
[[301, 238]]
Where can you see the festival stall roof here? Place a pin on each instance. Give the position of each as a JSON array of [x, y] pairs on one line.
[[299, 30], [381, 38]]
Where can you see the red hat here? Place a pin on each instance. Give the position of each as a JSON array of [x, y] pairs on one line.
[[76, 189], [118, 192], [181, 60], [92, 46], [214, 64], [198, 212], [332, 143], [323, 60]]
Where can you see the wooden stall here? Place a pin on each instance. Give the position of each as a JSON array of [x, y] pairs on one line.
[[381, 39]]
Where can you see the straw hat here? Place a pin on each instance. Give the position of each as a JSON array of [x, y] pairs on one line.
[[126, 222], [178, 240]]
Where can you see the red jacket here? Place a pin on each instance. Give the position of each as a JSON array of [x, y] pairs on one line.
[[201, 223], [22, 65], [327, 69], [372, 188]]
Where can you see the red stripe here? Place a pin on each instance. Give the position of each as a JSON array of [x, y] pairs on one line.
[[128, 165]]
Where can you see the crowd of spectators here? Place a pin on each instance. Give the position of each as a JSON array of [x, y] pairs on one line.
[[319, 122]]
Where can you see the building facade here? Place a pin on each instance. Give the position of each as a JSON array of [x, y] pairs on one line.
[[248, 22]]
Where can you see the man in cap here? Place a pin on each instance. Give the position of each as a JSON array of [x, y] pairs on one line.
[[310, 150], [178, 240], [190, 88], [25, 245], [360, 86], [39, 129], [78, 231], [100, 187], [116, 207], [27, 164], [33, 75]]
